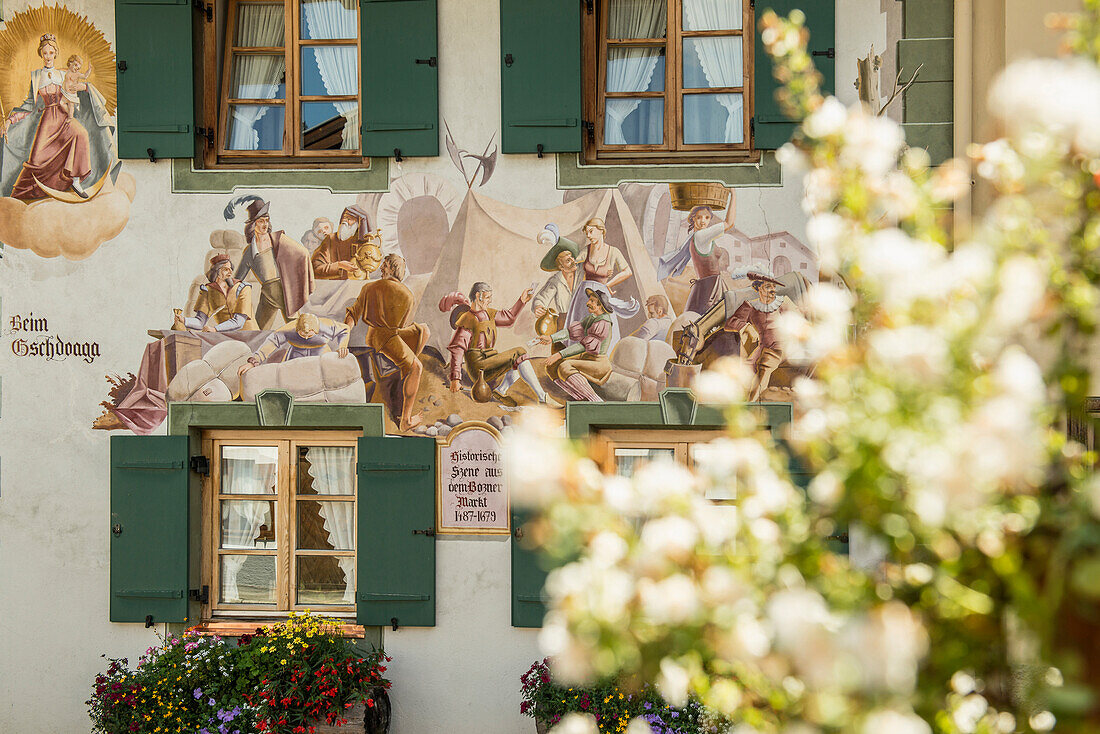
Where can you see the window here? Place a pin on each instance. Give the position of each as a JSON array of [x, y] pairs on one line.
[[290, 80], [280, 522], [624, 451], [669, 79]]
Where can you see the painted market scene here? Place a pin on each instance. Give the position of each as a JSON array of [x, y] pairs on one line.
[[571, 366]]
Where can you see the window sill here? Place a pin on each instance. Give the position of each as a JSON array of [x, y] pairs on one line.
[[186, 179], [572, 173], [225, 628]]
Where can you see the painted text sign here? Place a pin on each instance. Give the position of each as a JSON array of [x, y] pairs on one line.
[[473, 496]]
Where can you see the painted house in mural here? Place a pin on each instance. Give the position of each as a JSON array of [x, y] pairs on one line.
[[276, 269]]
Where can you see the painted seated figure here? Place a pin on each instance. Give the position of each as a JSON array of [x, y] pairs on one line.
[[584, 362], [224, 303]]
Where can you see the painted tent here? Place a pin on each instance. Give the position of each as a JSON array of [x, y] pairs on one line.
[[495, 242]]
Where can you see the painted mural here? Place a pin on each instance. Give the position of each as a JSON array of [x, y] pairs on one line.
[[62, 192], [446, 305]]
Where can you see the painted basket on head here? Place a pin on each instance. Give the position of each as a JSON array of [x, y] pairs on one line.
[[686, 196]]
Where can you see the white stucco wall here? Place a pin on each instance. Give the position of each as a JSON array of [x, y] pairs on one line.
[[460, 676]]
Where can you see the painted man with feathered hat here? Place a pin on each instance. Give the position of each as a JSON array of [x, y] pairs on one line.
[[279, 262], [759, 315]]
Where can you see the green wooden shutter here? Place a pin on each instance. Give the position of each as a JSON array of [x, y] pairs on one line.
[[396, 564], [528, 578], [149, 528], [773, 128], [155, 86], [400, 77], [540, 75]]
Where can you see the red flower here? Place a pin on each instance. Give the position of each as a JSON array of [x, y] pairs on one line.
[[370, 703]]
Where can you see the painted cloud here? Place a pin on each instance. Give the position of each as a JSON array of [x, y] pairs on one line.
[[74, 231]]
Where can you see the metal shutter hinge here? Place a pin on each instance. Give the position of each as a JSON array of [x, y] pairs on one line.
[[509, 60], [121, 66], [397, 155], [831, 53], [589, 5], [426, 531], [200, 464], [752, 129], [590, 128], [200, 595], [538, 150], [116, 529], [207, 134], [517, 533], [431, 61], [393, 621], [206, 8]]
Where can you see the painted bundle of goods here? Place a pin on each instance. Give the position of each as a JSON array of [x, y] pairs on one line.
[[212, 378], [324, 379]]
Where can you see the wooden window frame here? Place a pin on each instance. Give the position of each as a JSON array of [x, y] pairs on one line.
[[216, 60], [606, 441], [594, 71], [286, 551]]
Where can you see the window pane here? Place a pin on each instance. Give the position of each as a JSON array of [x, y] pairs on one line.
[[258, 76], [256, 127], [627, 461], [712, 15], [326, 19], [249, 469], [326, 525], [326, 580], [636, 69], [707, 454], [634, 121], [326, 470], [714, 118], [713, 62], [248, 579], [330, 125], [329, 71], [636, 19], [247, 524], [260, 25]]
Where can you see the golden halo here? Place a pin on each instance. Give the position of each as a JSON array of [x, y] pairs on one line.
[[75, 35]]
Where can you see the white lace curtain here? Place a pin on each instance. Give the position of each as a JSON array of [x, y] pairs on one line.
[[326, 19], [255, 76], [721, 68], [245, 470], [631, 69], [333, 472]]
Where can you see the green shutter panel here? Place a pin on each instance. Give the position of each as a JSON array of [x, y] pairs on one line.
[[528, 578], [149, 528], [155, 87], [400, 77], [540, 76], [773, 128], [396, 558]]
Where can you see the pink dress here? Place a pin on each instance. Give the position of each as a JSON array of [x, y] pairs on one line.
[[60, 152]]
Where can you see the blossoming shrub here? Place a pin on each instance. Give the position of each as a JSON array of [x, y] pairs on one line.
[[283, 679], [949, 362], [612, 706]]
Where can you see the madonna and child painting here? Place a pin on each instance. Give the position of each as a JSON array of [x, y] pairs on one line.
[[62, 191]]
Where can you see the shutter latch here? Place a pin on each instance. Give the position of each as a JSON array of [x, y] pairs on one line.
[[148, 620], [207, 134], [831, 53], [590, 128], [200, 595], [589, 5], [426, 531], [200, 464], [393, 621], [396, 155], [539, 149], [207, 8], [430, 61]]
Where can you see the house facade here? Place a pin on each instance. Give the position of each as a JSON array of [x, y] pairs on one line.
[[278, 275]]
